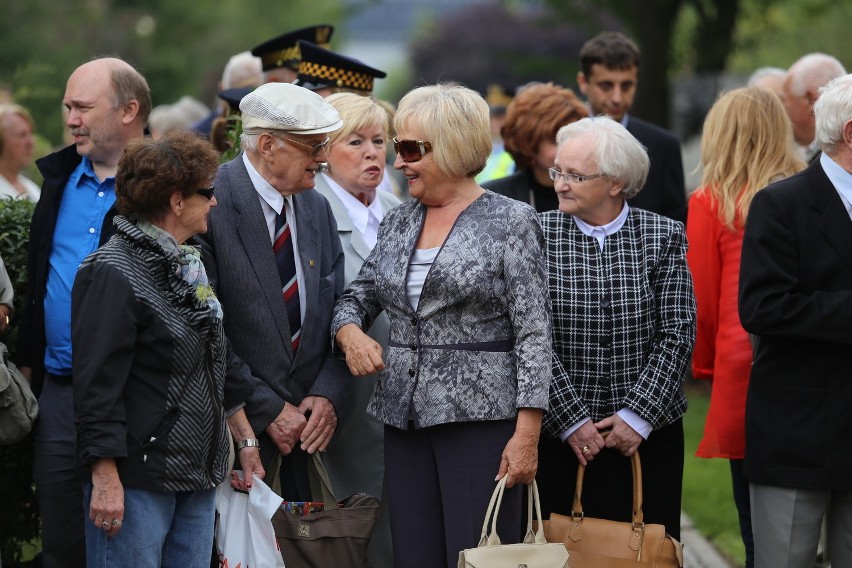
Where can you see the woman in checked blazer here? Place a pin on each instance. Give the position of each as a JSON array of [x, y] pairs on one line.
[[623, 332], [459, 271]]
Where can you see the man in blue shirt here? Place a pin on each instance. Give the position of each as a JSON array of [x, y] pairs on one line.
[[108, 103]]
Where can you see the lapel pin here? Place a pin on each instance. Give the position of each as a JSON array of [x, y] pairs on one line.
[[311, 262]]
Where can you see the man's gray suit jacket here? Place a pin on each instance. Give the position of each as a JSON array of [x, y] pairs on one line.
[[237, 253]]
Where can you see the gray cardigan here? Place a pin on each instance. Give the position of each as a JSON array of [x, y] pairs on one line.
[[478, 345]]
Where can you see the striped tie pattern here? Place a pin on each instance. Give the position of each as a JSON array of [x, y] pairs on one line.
[[286, 261]]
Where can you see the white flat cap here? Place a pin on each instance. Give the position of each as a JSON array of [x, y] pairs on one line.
[[287, 107]]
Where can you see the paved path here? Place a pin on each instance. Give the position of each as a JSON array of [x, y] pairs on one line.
[[697, 550]]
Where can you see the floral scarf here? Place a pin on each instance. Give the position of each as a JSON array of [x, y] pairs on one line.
[[191, 269]]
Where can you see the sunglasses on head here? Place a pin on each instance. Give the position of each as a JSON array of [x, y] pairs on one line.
[[411, 150], [206, 191]]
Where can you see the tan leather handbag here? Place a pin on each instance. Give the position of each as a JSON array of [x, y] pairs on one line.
[[600, 543]]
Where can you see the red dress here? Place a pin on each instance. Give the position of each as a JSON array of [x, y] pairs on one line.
[[723, 352]]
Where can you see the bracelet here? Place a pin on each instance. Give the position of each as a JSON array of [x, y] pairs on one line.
[[248, 443]]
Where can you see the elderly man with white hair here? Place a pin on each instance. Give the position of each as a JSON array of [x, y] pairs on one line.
[[273, 256], [801, 89], [796, 296]]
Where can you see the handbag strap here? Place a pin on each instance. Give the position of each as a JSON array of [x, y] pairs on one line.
[[320, 483], [636, 466], [492, 538]]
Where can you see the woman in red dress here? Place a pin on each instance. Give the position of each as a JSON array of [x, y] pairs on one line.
[[747, 143]]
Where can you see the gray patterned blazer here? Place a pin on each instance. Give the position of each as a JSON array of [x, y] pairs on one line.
[[478, 345], [623, 320]]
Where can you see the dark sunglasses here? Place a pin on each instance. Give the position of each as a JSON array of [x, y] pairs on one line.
[[411, 150], [206, 191]]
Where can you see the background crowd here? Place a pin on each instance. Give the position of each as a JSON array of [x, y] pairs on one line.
[[254, 273]]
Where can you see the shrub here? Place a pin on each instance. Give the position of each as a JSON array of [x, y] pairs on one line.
[[19, 521]]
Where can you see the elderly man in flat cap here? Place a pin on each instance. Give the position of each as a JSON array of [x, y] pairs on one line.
[[274, 257]]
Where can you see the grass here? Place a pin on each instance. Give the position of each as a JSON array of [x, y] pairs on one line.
[[707, 496]]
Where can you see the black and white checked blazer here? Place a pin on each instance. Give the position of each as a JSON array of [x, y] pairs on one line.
[[623, 320]]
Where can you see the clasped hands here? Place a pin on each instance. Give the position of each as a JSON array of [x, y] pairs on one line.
[[587, 441], [311, 424]]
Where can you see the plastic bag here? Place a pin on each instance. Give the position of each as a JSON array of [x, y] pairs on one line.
[[244, 535]]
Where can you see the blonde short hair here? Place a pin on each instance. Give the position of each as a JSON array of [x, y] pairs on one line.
[[357, 112], [455, 120], [9, 109]]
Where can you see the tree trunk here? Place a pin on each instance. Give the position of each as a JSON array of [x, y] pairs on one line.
[[652, 26]]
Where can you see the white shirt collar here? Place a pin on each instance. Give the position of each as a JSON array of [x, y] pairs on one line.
[[358, 212], [601, 232], [263, 188], [839, 178]]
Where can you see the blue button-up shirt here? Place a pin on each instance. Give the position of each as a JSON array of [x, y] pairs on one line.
[[85, 203]]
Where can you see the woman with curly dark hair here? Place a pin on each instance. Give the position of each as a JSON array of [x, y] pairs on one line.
[[149, 367], [529, 133]]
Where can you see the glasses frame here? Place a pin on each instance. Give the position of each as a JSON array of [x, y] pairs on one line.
[[423, 148], [313, 149], [206, 191], [572, 178]]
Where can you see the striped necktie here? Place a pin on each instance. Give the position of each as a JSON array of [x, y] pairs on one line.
[[286, 261]]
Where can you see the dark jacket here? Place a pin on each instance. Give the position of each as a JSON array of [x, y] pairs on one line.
[[149, 368], [520, 184], [796, 295], [664, 191], [56, 169]]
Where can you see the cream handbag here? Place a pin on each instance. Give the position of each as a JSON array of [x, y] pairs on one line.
[[534, 552]]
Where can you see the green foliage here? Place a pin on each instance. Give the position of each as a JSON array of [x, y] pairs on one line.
[[779, 34], [232, 138], [181, 46], [707, 493], [19, 522]]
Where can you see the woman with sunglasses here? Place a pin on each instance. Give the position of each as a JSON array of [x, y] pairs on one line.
[[149, 367], [623, 332], [460, 273], [355, 168]]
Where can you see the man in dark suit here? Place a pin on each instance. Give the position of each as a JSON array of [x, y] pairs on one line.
[[278, 324], [108, 104], [609, 73], [796, 297]]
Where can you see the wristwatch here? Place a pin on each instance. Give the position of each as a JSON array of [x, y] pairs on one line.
[[248, 443]]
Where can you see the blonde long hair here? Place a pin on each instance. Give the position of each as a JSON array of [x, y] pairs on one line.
[[747, 144]]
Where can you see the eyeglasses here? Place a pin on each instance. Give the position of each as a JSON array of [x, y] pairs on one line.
[[569, 178], [206, 191], [411, 150], [314, 149]]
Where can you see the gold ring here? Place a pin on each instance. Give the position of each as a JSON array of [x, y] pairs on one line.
[[105, 524], [584, 449]]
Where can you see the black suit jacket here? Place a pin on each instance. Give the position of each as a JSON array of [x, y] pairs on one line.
[[518, 186], [796, 295], [664, 192], [56, 169]]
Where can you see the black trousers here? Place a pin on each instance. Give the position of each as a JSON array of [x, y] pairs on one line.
[[439, 482], [607, 484], [59, 489]]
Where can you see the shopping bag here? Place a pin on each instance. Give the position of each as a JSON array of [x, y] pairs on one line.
[[326, 533], [18, 404], [244, 535], [534, 552]]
